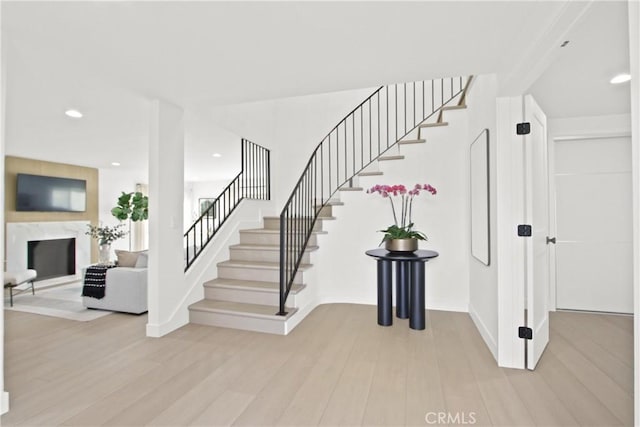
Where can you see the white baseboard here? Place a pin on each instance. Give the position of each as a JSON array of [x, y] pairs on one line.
[[160, 330], [4, 403], [484, 332]]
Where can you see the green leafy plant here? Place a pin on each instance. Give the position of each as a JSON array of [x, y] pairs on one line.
[[402, 229], [133, 206], [106, 235]]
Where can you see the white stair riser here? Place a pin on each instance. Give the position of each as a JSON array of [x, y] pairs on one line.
[[261, 255], [274, 224], [257, 274], [267, 239], [253, 296], [246, 323]]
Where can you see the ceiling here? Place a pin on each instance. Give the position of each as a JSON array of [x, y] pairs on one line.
[[577, 82], [109, 59]]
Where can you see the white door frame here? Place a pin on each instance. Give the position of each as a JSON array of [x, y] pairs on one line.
[[553, 225], [510, 212]]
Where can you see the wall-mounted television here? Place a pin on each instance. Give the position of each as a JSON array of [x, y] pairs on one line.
[[50, 194]]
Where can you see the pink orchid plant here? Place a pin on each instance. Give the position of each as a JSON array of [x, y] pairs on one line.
[[402, 229]]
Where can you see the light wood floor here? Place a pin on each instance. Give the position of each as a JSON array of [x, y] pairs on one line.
[[337, 368]]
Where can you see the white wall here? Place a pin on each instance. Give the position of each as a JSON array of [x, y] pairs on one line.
[[300, 124], [634, 49], [194, 191], [483, 279], [291, 128], [4, 398], [346, 274], [166, 194]]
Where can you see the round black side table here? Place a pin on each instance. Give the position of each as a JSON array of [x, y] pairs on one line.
[[410, 284]]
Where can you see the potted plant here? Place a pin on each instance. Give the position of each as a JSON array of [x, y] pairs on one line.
[[133, 206], [105, 236], [401, 237]]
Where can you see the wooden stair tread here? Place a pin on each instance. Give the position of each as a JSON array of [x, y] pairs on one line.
[[412, 141], [250, 285], [270, 231], [434, 124], [258, 265], [304, 217], [256, 247], [242, 309], [372, 173], [454, 107], [392, 157], [350, 189]]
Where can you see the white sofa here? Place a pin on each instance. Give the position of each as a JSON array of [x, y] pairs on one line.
[[125, 290]]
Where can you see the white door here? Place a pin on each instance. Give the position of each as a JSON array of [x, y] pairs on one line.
[[594, 261], [537, 213]]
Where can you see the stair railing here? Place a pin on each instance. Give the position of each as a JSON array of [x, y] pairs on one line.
[[253, 182], [387, 116]]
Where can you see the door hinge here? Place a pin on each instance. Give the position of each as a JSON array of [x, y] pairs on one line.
[[525, 333], [524, 230], [523, 128]]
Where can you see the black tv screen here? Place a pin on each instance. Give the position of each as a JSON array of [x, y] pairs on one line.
[[50, 194]]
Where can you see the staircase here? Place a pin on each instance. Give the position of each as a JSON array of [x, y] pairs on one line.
[[246, 293], [262, 286]]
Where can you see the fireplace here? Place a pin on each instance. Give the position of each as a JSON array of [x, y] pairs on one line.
[[52, 258], [19, 234]]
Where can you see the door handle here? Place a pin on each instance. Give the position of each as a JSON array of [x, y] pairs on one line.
[[551, 240]]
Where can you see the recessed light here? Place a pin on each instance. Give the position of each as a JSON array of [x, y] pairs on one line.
[[115, 163], [217, 155], [73, 113], [620, 78]]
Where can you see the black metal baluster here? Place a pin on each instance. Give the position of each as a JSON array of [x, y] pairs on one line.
[[378, 122], [361, 140], [404, 88], [370, 123], [353, 145], [396, 94], [433, 90]]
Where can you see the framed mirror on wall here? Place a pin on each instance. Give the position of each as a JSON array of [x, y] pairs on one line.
[[479, 167]]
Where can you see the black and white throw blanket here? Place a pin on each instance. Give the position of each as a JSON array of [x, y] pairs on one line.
[[95, 280]]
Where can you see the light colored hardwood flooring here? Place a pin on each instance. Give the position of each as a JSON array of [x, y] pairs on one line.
[[337, 368]]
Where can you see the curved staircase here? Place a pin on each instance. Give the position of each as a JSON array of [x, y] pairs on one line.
[[251, 292]]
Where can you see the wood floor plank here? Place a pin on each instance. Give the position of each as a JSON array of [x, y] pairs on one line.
[[617, 400], [272, 401], [424, 382], [461, 392], [338, 367], [224, 410], [502, 402], [594, 327], [543, 404], [387, 394], [308, 404], [611, 365], [583, 405], [348, 401]]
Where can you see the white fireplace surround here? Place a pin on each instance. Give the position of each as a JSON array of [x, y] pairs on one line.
[[19, 233]]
